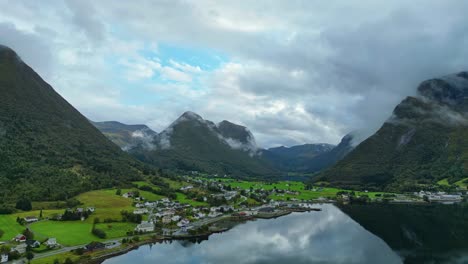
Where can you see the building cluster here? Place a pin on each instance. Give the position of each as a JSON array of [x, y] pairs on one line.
[[442, 197]]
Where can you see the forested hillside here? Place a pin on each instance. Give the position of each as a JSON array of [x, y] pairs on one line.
[[48, 150]]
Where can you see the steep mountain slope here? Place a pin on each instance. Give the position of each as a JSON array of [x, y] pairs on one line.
[[425, 140], [296, 158], [238, 137], [126, 136], [48, 150], [192, 143], [329, 158]]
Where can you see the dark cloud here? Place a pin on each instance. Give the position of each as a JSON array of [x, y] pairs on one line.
[[299, 71]]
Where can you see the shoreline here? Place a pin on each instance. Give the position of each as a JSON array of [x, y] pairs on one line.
[[204, 236]]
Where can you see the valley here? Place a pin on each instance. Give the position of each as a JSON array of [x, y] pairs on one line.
[[199, 202]]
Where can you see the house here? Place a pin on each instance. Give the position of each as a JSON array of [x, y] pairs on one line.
[[183, 223], [51, 242], [21, 248], [229, 195], [214, 214], [165, 200], [128, 195], [140, 211], [145, 226], [31, 219], [79, 210], [166, 219], [3, 258], [20, 238], [175, 218], [186, 188], [199, 215], [33, 243], [94, 246], [149, 204], [169, 212]]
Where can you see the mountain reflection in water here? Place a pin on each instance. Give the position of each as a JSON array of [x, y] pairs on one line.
[[329, 236]]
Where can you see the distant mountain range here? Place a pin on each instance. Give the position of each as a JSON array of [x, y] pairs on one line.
[[126, 136], [48, 150], [192, 143], [425, 140]]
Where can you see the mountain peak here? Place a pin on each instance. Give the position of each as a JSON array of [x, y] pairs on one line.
[[191, 116], [7, 54], [450, 89]]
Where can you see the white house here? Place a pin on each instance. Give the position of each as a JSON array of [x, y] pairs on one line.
[[166, 219], [199, 215], [127, 195], [140, 211], [186, 188], [21, 248], [145, 226], [31, 219], [183, 222], [51, 242], [20, 238], [175, 218], [214, 214], [3, 258]]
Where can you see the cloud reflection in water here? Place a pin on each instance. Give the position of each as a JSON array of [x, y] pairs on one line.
[[329, 236]]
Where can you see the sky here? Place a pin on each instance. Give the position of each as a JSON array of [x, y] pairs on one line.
[[293, 72]]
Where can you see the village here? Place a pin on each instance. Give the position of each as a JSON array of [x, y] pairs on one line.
[[213, 200]]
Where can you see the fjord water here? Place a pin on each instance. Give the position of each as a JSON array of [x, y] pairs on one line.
[[328, 236]]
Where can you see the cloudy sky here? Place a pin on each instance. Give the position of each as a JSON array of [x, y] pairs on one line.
[[292, 71]]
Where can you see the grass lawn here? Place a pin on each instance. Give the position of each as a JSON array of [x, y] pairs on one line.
[[70, 233], [9, 225], [117, 229], [175, 184], [60, 257], [462, 183], [326, 192], [443, 182], [107, 204], [182, 198]]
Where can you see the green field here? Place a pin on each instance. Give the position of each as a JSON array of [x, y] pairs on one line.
[[9, 225], [69, 233], [61, 257], [443, 182], [182, 198], [461, 183], [325, 192]]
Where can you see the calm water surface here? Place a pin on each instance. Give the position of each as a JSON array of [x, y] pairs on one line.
[[329, 236]]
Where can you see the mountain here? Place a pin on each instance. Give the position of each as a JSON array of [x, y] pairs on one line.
[[193, 144], [425, 140], [48, 150], [296, 158], [238, 137], [126, 136]]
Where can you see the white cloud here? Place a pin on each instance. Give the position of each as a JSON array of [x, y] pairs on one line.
[[296, 71]]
